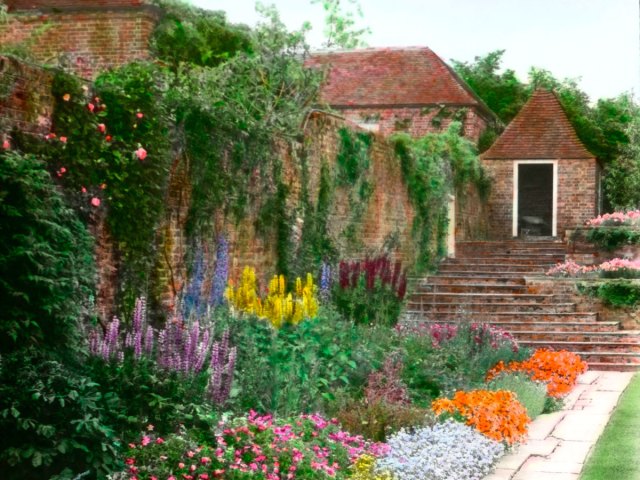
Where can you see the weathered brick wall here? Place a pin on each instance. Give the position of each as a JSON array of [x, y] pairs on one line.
[[417, 121], [576, 195], [472, 215], [25, 97], [84, 36]]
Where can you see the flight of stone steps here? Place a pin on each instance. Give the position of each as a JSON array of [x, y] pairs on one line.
[[486, 282]]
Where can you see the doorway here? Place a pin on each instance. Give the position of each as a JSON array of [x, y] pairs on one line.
[[535, 196]]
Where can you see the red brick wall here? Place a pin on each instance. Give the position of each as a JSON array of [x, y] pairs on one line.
[[576, 195], [25, 97], [58, 4], [87, 39], [417, 121]]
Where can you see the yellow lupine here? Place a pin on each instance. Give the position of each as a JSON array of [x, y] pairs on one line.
[[279, 307]]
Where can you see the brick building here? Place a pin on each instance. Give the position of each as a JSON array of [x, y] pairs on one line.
[[86, 35], [545, 180], [399, 89]]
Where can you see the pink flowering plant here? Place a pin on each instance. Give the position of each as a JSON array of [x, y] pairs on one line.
[[569, 268], [614, 268], [252, 447], [613, 230]]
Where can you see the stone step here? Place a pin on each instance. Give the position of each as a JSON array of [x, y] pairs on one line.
[[492, 268], [486, 308], [602, 339], [578, 346], [462, 279], [467, 298], [548, 318], [480, 275], [471, 288], [536, 327], [605, 357], [510, 260], [614, 367]]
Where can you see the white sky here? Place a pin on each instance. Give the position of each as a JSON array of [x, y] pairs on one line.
[[596, 41]]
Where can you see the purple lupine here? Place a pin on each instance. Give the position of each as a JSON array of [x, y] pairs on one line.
[[325, 280], [139, 317], [148, 341], [221, 366], [221, 272]]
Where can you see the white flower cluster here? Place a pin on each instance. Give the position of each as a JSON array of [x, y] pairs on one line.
[[446, 451]]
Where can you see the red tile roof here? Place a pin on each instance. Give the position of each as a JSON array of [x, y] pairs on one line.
[[541, 130], [391, 77]]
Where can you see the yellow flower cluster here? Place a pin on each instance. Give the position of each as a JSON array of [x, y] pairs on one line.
[[279, 306], [364, 469]]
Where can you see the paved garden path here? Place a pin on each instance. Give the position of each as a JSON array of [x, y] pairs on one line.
[[560, 442]]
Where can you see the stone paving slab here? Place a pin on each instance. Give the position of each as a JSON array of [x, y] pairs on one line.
[[560, 442]]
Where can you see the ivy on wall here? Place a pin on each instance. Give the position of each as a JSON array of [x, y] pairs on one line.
[[435, 166]]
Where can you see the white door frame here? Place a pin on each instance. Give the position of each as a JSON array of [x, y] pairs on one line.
[[516, 165]]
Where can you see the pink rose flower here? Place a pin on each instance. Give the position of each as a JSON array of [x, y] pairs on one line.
[[6, 145], [63, 139], [141, 153], [95, 201], [102, 128], [145, 441], [84, 190], [139, 115], [91, 107]]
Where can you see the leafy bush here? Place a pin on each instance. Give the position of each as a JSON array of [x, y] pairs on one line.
[[295, 368], [498, 415], [617, 293], [370, 291], [442, 452], [532, 395], [307, 446], [53, 420], [46, 263], [610, 238], [441, 359], [559, 370]]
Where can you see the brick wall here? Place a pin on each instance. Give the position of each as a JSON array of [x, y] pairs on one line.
[[25, 97], [83, 36], [576, 195], [416, 121]]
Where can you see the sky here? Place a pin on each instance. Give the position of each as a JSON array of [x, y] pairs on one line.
[[594, 41]]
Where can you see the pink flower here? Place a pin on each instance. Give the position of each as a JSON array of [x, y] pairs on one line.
[[102, 127], [84, 190], [63, 170], [139, 115], [190, 454], [205, 460], [108, 138], [141, 153], [95, 201], [49, 136], [66, 97], [145, 440], [150, 427], [159, 441], [103, 186], [63, 139], [91, 107], [6, 145], [181, 465]]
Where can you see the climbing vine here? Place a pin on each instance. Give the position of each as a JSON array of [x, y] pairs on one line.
[[433, 167]]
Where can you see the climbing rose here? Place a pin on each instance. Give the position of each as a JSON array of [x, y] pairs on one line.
[[66, 97], [102, 128], [63, 139], [95, 201], [141, 153], [6, 145], [84, 190], [108, 138], [63, 170], [139, 115], [91, 107]]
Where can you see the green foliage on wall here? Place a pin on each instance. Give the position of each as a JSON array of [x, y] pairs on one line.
[[435, 166], [616, 293], [46, 265]]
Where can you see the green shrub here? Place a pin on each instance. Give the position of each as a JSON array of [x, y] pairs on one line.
[[295, 368], [52, 420], [617, 293], [610, 238], [46, 262], [531, 394]]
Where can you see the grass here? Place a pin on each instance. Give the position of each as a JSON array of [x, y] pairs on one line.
[[616, 454]]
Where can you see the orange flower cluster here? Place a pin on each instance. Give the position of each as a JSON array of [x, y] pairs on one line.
[[498, 415], [559, 370]]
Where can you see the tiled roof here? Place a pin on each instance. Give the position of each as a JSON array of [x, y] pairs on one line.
[[391, 77], [541, 130]]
